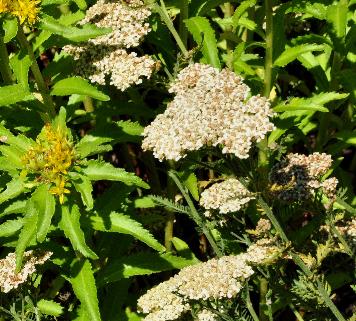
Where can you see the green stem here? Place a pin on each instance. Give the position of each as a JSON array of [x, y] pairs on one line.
[[269, 49], [249, 304], [341, 239], [195, 215], [184, 14], [296, 313], [298, 261], [169, 228], [42, 87], [5, 69], [263, 293], [162, 11], [262, 153], [88, 104]]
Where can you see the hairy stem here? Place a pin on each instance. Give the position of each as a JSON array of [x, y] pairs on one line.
[[195, 215], [5, 69], [169, 228], [162, 11], [296, 313], [42, 87]]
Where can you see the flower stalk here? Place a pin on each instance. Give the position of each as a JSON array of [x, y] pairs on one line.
[[5, 63]]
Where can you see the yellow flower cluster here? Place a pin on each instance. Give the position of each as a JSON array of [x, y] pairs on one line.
[[25, 10], [50, 159]]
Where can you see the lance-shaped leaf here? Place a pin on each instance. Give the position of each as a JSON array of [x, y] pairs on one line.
[[13, 94], [92, 145], [142, 264], [96, 170], [50, 307], [45, 206], [121, 223], [83, 185], [202, 31], [71, 227], [20, 64], [75, 34], [315, 103], [77, 85], [10, 227], [83, 283], [27, 235], [13, 189], [10, 27], [293, 53]]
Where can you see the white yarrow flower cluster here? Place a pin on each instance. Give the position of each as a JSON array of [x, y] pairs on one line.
[[106, 59], [206, 315], [214, 280], [210, 107], [227, 196], [9, 279], [298, 176]]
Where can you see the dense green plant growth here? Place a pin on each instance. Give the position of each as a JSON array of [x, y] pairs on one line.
[[177, 160]]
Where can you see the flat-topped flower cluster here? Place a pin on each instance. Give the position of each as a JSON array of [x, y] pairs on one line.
[[210, 107]]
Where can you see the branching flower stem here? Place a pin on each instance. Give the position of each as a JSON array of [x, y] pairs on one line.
[[298, 261], [162, 11], [195, 215], [42, 87]]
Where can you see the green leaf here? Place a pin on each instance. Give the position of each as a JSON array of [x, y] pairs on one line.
[[202, 32], [141, 264], [45, 206], [27, 235], [183, 250], [13, 94], [75, 34], [71, 227], [129, 131], [83, 283], [190, 181], [337, 16], [10, 28], [293, 53], [241, 9], [13, 189], [348, 137], [77, 85], [315, 103], [83, 185], [17, 207], [9, 228], [50, 307], [91, 145], [20, 64], [124, 224], [96, 170], [144, 202]]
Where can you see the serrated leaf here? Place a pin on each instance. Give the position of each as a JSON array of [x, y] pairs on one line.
[[17, 207], [96, 170], [10, 227], [75, 34], [202, 32], [20, 64], [91, 145], [170, 205], [13, 189], [293, 53], [129, 131], [50, 307], [190, 181], [348, 137], [10, 28], [141, 264], [45, 206], [315, 103], [83, 283], [337, 16], [27, 235], [77, 85], [13, 94], [83, 185], [70, 225], [124, 224], [240, 10]]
